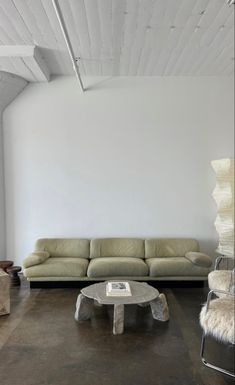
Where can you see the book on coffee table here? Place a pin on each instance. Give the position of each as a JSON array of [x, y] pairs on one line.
[[118, 289]]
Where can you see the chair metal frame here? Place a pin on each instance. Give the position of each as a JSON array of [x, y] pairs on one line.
[[204, 335], [217, 267], [220, 258]]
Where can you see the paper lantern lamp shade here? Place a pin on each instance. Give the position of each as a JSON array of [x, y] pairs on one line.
[[223, 195]]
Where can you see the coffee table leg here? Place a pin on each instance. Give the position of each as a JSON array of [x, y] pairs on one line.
[[159, 308], [97, 304], [83, 308], [118, 319], [144, 304]]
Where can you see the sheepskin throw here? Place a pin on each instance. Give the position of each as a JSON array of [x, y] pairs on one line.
[[221, 280], [218, 321]]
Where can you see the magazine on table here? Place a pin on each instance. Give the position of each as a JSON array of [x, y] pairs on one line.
[[118, 289]]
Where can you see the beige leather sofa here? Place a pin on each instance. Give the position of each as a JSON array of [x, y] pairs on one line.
[[115, 258]]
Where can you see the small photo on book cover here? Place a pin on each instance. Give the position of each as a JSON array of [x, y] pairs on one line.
[[118, 289], [119, 286]]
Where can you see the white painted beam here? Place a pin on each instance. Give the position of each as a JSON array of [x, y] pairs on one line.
[[32, 65]]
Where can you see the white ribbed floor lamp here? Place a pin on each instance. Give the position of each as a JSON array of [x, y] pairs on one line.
[[224, 197]]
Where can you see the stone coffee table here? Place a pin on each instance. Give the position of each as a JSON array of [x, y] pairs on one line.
[[142, 294]]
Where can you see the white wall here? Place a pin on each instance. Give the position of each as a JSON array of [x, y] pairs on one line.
[[2, 199], [130, 157], [10, 86]]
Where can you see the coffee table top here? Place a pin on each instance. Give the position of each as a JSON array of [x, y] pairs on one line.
[[141, 293]]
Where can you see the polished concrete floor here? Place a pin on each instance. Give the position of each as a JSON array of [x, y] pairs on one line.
[[41, 344]]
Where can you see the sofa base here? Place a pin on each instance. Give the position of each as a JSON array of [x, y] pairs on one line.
[[54, 282], [57, 284]]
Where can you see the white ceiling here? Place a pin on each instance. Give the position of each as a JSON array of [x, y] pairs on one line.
[[124, 37]]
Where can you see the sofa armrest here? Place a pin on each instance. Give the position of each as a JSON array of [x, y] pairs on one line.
[[199, 259], [35, 258]]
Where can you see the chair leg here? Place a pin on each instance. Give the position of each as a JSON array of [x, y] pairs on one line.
[[209, 365]]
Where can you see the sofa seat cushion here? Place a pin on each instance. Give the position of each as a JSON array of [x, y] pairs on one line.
[[59, 267], [174, 266], [119, 266]]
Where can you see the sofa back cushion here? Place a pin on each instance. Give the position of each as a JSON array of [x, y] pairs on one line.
[[117, 247], [169, 247], [64, 247]]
